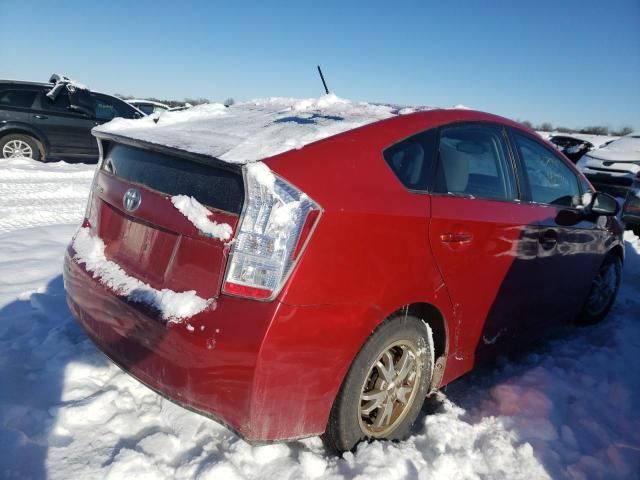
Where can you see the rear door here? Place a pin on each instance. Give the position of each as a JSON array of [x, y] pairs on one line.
[[68, 131], [571, 245], [482, 237]]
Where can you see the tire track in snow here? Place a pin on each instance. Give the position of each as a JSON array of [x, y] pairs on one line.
[[37, 194]]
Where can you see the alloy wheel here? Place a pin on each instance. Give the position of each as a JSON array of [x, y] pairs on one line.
[[17, 148], [603, 288], [389, 389]]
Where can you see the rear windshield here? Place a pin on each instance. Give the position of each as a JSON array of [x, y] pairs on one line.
[[215, 187]]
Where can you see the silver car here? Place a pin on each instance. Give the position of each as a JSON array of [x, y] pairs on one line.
[[613, 167]]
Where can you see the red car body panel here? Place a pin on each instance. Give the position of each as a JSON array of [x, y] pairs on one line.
[[271, 370]]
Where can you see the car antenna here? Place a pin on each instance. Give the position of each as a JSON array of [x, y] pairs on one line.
[[326, 90]]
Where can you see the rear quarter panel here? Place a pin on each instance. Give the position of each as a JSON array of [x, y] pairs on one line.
[[368, 256]]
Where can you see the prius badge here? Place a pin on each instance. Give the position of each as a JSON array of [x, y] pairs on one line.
[[131, 200]]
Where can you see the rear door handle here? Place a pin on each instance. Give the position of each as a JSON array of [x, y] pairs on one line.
[[41, 117], [456, 237], [548, 239]]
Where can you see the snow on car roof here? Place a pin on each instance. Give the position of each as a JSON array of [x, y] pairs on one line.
[[250, 131], [625, 148], [58, 78]]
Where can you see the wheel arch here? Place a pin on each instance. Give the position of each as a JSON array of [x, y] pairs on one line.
[[432, 317], [617, 250], [24, 129]]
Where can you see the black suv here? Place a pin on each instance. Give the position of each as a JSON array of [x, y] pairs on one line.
[[54, 120]]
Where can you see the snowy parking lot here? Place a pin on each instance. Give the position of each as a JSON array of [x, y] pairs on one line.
[[569, 407]]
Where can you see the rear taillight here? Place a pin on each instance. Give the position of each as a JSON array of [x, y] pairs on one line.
[[93, 202], [276, 223]]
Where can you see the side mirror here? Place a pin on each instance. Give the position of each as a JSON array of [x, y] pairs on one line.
[[604, 204]]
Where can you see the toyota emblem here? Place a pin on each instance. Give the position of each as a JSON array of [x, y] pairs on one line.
[[131, 199]]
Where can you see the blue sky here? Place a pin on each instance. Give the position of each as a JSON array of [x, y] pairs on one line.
[[572, 63]]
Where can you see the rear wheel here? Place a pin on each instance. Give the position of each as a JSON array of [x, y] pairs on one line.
[[19, 146], [384, 390], [603, 291]]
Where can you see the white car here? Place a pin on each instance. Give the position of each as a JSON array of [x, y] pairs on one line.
[[614, 166]]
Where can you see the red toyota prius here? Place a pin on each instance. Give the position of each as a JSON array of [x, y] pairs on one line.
[[327, 290]]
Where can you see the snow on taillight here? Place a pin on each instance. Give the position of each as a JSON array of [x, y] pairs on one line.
[[275, 225]]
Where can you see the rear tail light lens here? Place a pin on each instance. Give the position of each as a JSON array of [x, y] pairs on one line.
[[93, 202], [276, 222], [93, 209]]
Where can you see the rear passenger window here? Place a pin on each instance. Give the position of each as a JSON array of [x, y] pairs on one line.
[[18, 98], [412, 158], [105, 110], [550, 179], [59, 104], [473, 160]]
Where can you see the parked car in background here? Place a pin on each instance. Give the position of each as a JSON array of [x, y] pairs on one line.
[[613, 168], [349, 278], [148, 106], [574, 148], [631, 207], [54, 120]]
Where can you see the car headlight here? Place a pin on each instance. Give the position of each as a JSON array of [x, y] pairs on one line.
[[582, 163]]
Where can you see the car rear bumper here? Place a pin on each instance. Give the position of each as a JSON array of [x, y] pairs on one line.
[[268, 370], [206, 364]]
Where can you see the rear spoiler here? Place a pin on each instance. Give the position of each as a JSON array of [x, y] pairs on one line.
[[106, 137]]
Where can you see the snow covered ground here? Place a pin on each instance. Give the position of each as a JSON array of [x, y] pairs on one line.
[[567, 408]]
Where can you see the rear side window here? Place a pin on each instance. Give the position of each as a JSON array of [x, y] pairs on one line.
[[104, 109], [412, 158], [18, 98], [551, 181], [215, 187], [144, 108], [59, 104], [473, 160]]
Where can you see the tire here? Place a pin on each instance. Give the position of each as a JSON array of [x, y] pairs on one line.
[[28, 146], [405, 340], [603, 292], [635, 228]]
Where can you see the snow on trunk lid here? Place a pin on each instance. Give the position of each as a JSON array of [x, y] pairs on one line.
[[173, 306]]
